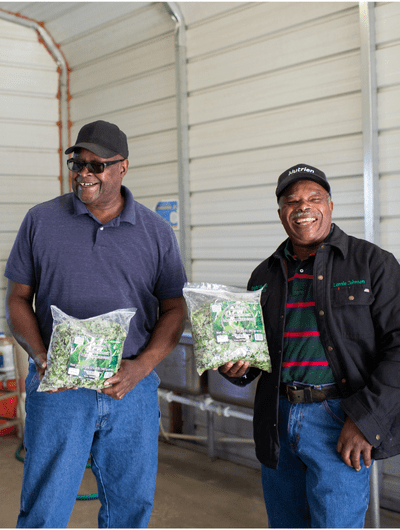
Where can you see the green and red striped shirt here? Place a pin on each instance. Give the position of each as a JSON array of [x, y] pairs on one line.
[[304, 358]]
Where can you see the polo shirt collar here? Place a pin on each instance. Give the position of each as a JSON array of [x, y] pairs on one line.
[[128, 214]]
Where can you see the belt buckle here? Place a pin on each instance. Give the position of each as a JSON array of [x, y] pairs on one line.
[[297, 395], [292, 398]]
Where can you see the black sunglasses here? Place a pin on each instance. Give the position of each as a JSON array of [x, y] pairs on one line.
[[93, 167]]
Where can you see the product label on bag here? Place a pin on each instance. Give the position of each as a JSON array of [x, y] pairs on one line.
[[237, 321], [93, 358]]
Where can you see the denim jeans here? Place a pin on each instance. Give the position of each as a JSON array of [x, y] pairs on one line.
[[313, 487], [121, 436]]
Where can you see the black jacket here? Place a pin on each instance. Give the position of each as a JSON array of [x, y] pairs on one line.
[[356, 289]]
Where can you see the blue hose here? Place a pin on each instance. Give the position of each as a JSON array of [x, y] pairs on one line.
[[89, 497]]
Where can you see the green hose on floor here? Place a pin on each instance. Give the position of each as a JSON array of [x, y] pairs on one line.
[[89, 497]]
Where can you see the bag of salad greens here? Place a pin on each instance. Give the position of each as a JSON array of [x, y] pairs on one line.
[[85, 352], [227, 325]]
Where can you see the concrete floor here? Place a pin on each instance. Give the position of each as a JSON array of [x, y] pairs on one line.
[[191, 492]]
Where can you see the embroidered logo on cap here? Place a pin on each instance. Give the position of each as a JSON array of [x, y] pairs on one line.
[[298, 169]]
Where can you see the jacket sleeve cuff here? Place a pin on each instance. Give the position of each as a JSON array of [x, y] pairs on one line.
[[371, 429]]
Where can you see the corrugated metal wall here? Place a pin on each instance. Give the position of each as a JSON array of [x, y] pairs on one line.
[[29, 135], [387, 24], [270, 85]]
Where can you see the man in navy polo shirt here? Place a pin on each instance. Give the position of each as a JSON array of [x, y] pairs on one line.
[[331, 307], [90, 252]]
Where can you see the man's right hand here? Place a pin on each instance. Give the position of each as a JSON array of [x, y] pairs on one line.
[[237, 369], [40, 363]]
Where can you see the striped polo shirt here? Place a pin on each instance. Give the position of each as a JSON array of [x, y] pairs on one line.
[[304, 358]]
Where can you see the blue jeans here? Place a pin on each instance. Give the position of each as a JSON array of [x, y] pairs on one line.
[[313, 487], [63, 429]]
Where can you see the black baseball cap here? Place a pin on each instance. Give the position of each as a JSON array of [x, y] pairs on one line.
[[301, 172], [101, 138]]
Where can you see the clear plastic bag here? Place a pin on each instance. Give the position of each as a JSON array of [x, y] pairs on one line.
[[227, 325], [84, 353]]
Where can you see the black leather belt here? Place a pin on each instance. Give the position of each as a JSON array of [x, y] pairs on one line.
[[308, 394]]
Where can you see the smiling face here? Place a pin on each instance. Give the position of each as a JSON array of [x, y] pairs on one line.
[[98, 190], [305, 211]]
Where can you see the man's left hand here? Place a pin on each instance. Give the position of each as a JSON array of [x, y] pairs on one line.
[[352, 444], [128, 376]]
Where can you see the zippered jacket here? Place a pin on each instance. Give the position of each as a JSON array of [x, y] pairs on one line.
[[356, 288]]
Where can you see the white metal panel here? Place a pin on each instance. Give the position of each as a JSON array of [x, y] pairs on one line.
[[389, 152], [19, 162], [12, 216], [19, 34], [387, 22], [309, 42], [239, 242], [6, 242], [157, 148], [17, 107], [31, 135], [386, 58], [88, 17], [195, 12], [24, 52], [254, 20], [354, 227], [28, 79], [147, 118], [123, 94], [225, 272], [234, 207], [390, 196], [35, 189], [390, 230], [348, 199], [156, 180], [117, 34], [132, 61], [278, 89], [318, 119], [389, 108], [263, 166]]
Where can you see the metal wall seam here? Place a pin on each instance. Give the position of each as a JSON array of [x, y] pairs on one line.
[[182, 132], [369, 122], [64, 95]]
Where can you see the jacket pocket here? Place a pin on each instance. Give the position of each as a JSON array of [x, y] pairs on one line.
[[351, 310], [351, 295]]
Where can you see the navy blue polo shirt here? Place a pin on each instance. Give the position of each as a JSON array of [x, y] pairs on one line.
[[86, 268]]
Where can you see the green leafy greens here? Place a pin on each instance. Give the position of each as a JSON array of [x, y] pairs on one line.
[[227, 325], [84, 353]]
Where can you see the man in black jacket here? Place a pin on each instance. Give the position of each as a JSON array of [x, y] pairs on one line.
[[331, 306]]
